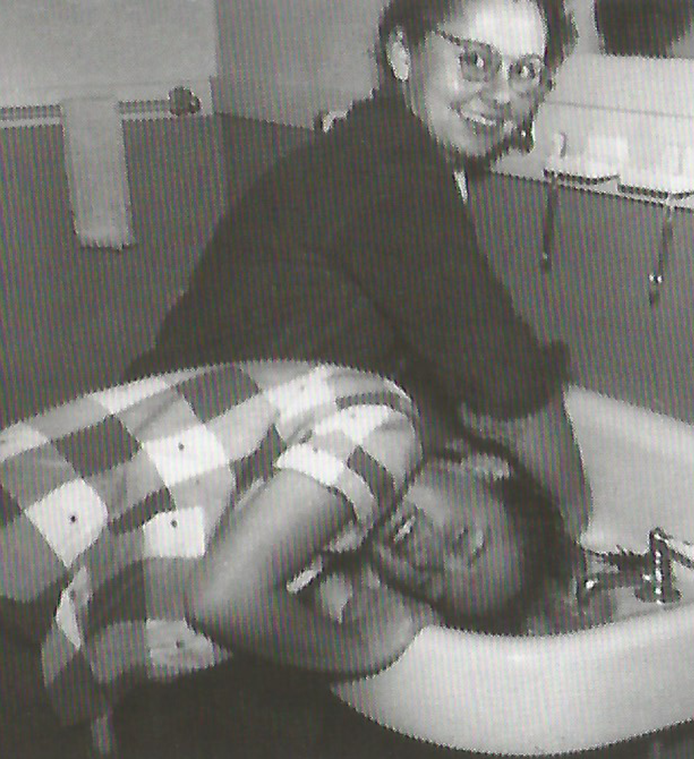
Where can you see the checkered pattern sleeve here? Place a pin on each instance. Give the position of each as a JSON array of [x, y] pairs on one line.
[[363, 452], [359, 440], [108, 501]]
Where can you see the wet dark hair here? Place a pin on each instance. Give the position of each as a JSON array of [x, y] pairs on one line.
[[548, 556], [419, 17]]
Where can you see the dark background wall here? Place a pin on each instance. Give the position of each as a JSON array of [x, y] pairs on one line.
[[72, 318], [596, 295]]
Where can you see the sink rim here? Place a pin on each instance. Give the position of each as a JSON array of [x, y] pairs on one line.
[[441, 690]]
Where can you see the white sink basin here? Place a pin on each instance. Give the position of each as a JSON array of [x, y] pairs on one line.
[[580, 690]]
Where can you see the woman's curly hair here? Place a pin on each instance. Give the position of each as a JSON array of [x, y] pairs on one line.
[[419, 17]]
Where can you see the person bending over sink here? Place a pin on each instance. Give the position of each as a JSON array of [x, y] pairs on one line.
[[286, 510], [360, 247]]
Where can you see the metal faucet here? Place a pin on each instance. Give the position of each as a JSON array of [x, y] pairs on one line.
[[608, 571], [650, 573], [658, 582]]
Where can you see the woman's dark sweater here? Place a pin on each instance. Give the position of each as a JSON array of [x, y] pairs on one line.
[[358, 249]]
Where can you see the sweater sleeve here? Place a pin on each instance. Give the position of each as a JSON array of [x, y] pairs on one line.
[[416, 256]]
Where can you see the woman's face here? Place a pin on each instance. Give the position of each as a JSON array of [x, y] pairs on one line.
[[443, 80], [453, 542]]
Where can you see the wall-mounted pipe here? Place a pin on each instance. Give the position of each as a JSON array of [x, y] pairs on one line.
[[549, 223], [667, 233]]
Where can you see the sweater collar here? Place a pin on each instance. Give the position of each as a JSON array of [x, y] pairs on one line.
[[392, 130]]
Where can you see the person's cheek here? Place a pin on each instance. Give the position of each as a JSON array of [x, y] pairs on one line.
[[484, 587]]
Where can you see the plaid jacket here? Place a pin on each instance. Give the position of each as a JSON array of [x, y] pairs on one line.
[[108, 501]]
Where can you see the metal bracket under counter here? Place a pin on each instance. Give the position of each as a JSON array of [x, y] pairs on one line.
[[675, 194]]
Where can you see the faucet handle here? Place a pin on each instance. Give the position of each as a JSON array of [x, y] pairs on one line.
[[682, 551], [649, 573], [607, 571], [657, 582]]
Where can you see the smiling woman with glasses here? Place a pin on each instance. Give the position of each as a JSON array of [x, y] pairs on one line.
[[359, 249], [447, 58]]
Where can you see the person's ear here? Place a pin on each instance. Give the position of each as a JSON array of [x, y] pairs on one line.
[[398, 55]]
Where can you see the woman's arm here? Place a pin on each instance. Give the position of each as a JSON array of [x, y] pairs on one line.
[[238, 595], [543, 444]]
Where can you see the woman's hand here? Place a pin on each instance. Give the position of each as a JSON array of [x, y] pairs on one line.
[[422, 613], [387, 619], [381, 607], [381, 619], [544, 445]]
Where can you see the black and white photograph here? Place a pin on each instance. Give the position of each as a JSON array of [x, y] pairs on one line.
[[346, 379]]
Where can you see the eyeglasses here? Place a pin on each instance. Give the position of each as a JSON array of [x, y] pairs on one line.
[[480, 62], [469, 541]]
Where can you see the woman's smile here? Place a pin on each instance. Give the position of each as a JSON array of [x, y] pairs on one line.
[[481, 124], [484, 121], [470, 100]]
